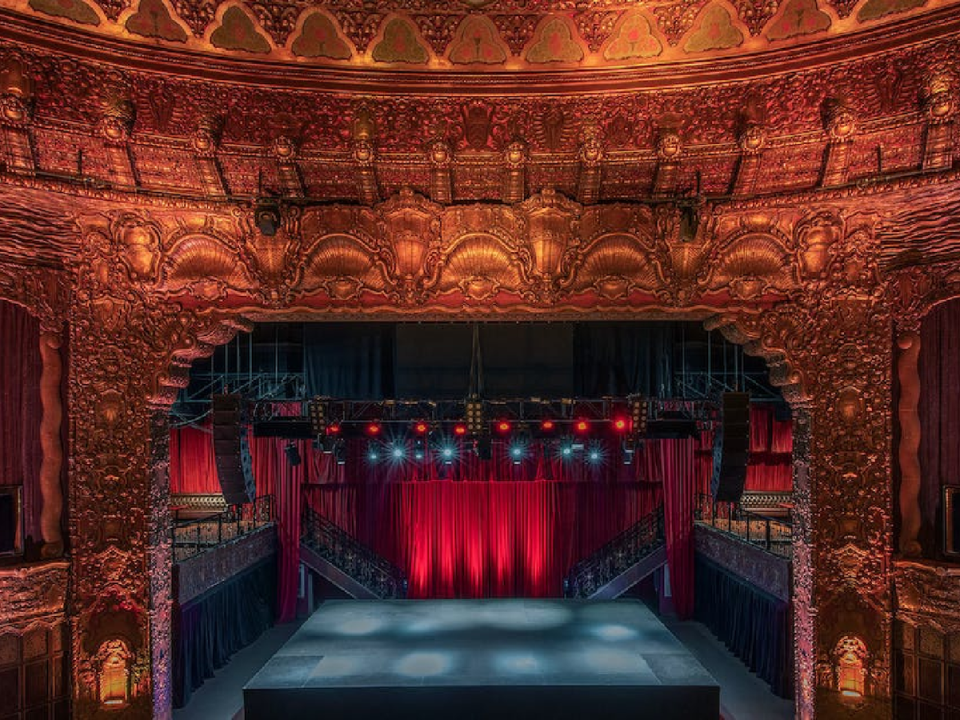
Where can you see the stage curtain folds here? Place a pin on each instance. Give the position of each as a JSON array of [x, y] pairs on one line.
[[20, 410], [939, 415], [755, 625], [193, 466], [209, 629], [770, 468]]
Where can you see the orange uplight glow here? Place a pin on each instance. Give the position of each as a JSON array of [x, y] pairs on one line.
[[620, 424], [503, 426], [373, 429], [582, 426], [421, 428], [547, 425], [459, 429]]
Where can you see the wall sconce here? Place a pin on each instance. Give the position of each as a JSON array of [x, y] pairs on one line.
[[113, 679], [851, 656]]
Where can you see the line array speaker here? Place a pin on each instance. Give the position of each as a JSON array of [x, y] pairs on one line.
[[232, 450], [731, 448]]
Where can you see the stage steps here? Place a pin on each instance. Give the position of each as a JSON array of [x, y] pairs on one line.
[[621, 563], [350, 565]]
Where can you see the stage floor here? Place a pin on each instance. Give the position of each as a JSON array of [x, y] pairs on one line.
[[466, 659]]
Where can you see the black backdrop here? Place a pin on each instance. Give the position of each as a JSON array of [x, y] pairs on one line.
[[432, 360]]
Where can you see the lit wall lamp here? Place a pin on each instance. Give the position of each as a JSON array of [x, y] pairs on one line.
[[113, 678], [851, 656]]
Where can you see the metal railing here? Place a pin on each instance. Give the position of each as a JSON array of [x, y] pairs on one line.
[[774, 535], [616, 557], [194, 536], [347, 554]]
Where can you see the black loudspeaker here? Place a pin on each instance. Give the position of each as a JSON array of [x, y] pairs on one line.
[[731, 448], [232, 450]]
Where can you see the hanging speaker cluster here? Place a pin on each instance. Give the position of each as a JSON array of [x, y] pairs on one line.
[[232, 450], [731, 448]]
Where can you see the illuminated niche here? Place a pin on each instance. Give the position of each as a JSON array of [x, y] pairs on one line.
[[113, 678], [851, 656]]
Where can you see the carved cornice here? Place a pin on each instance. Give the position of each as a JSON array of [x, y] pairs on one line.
[[928, 594], [32, 594], [761, 569], [205, 571]]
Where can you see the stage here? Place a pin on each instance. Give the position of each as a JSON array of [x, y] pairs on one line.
[[466, 659]]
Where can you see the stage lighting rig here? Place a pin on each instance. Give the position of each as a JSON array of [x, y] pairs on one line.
[[340, 451], [639, 414], [373, 451], [318, 417], [475, 422]]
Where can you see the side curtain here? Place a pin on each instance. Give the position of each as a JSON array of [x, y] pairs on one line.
[[771, 452], [209, 629], [939, 414], [755, 625], [20, 410], [679, 473]]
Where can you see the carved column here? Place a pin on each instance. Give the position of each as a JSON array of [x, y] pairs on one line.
[[908, 452], [120, 595], [831, 351]]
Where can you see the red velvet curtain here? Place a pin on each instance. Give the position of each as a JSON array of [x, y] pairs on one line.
[[20, 410], [193, 467], [679, 475], [486, 528], [939, 411], [771, 452]]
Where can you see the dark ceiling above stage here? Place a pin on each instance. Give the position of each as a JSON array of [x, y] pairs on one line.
[[432, 361]]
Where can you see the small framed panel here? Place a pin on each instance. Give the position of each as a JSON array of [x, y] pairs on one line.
[[11, 520]]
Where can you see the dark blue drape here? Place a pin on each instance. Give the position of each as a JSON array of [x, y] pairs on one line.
[[349, 360], [755, 625], [213, 626]]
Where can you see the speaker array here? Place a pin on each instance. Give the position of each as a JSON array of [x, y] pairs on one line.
[[731, 448], [232, 451]]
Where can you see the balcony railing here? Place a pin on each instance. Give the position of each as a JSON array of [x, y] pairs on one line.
[[192, 537], [616, 557], [350, 556], [774, 535]]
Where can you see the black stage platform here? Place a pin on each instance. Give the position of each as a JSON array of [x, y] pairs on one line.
[[466, 659]]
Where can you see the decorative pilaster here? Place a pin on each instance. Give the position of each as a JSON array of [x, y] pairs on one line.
[[831, 349]]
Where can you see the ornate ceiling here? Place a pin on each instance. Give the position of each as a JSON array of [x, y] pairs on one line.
[[487, 35]]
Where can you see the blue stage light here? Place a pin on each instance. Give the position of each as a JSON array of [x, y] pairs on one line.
[[397, 452]]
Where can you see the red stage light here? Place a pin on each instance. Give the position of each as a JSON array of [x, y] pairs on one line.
[[620, 424], [373, 429], [547, 425], [333, 429], [503, 426], [421, 428], [459, 429], [582, 426]]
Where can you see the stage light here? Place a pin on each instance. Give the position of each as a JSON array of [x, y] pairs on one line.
[[595, 453], [448, 454], [582, 426], [373, 428], [566, 450], [517, 453], [373, 452], [639, 412], [333, 429], [503, 426], [421, 428], [621, 424], [418, 449], [460, 429], [474, 415], [292, 453], [318, 417], [547, 425], [397, 452]]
